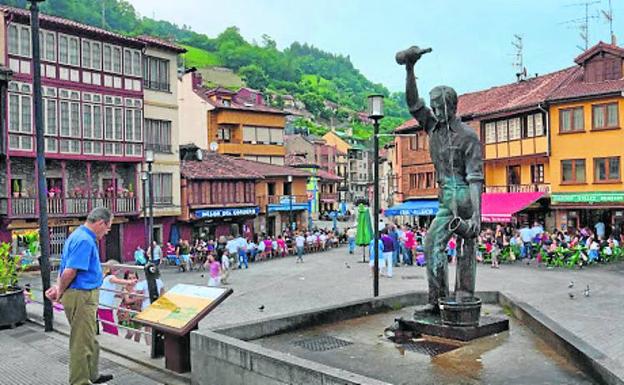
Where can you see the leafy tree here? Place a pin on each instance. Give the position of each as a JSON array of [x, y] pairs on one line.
[[254, 76]]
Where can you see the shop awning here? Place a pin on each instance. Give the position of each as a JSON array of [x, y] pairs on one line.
[[499, 207], [418, 207]]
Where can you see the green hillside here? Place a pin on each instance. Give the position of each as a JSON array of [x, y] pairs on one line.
[[197, 57], [310, 74]]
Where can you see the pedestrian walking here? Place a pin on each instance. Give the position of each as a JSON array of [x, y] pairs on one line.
[[80, 277], [225, 266], [155, 252], [300, 244], [388, 252]]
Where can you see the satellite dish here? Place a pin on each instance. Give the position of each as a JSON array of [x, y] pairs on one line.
[[199, 154], [214, 146]]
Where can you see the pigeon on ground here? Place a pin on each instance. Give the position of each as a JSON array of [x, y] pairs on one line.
[[347, 265], [586, 292], [571, 295], [571, 285], [261, 308]]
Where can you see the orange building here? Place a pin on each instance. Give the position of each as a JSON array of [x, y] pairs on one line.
[[586, 115]]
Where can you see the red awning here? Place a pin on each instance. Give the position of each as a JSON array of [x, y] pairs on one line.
[[499, 207]]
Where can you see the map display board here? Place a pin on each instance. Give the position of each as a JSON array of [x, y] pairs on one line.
[[182, 307]]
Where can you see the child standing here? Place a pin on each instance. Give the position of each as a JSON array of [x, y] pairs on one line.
[[214, 268], [225, 266]]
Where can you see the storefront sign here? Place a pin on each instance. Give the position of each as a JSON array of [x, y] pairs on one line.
[[589, 197], [227, 212]]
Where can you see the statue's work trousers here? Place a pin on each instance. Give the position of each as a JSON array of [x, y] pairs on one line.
[[437, 239]]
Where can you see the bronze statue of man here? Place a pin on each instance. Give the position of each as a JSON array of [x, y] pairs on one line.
[[457, 156]]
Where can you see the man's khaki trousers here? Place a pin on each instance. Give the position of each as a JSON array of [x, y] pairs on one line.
[[84, 350]]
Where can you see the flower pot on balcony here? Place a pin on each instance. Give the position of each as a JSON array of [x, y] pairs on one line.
[[16, 194], [50, 194]]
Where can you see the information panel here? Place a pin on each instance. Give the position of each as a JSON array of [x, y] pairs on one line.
[[182, 307]]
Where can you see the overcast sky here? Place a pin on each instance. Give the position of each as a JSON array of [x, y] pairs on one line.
[[471, 39]]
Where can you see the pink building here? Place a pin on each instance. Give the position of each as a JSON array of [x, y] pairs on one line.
[[93, 116]]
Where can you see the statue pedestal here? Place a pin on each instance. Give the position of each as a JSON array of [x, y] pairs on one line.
[[432, 326]]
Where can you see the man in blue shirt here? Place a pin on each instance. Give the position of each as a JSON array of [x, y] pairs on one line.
[[80, 277]]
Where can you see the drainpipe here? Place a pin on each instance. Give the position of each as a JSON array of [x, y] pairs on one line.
[[539, 106]]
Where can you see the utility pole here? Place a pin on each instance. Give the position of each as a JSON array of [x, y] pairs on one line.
[[44, 232]]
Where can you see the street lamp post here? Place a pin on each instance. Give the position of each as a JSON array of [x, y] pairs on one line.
[[149, 159], [290, 216], [44, 234], [151, 270], [375, 112], [144, 177]]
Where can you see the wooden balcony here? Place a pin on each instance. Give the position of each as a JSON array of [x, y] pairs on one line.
[[60, 207], [329, 197], [536, 187]]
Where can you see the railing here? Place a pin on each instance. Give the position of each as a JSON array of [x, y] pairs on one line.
[[23, 206], [535, 187], [329, 196], [284, 199], [59, 206], [163, 201]]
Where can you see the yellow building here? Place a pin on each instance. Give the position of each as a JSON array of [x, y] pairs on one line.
[[243, 126], [513, 126], [586, 115], [238, 122]]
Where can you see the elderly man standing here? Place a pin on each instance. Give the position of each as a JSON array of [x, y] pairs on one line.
[[79, 280]]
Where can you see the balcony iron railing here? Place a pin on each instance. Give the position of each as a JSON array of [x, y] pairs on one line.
[[534, 187], [59, 206]]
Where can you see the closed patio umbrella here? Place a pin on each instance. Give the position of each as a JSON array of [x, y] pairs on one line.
[[364, 233]]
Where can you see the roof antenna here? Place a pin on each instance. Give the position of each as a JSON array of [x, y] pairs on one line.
[[521, 71], [608, 15], [582, 23]]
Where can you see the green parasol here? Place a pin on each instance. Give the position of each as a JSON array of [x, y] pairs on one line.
[[364, 233]]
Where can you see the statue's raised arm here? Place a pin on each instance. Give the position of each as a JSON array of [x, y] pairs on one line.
[[416, 105]]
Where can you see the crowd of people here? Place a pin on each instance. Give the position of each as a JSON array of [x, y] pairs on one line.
[[569, 247], [218, 255]]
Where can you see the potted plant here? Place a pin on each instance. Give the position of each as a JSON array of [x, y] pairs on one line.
[[16, 189], [12, 304], [54, 191], [131, 190]]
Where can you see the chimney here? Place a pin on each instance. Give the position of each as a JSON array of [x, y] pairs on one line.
[[613, 39], [197, 79]]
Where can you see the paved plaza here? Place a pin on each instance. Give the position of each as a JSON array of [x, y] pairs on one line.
[[333, 277]]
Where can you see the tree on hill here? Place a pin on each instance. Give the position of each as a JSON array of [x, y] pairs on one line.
[[254, 77]]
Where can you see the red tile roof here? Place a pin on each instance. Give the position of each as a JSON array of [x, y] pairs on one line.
[[512, 97], [575, 87], [600, 47], [161, 43], [216, 166], [327, 176], [409, 124], [269, 170], [206, 94], [47, 20], [506, 98]]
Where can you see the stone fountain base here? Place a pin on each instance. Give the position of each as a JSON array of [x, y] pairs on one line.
[[432, 325]]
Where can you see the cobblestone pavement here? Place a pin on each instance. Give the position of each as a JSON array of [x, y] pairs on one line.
[[335, 277], [32, 357]]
